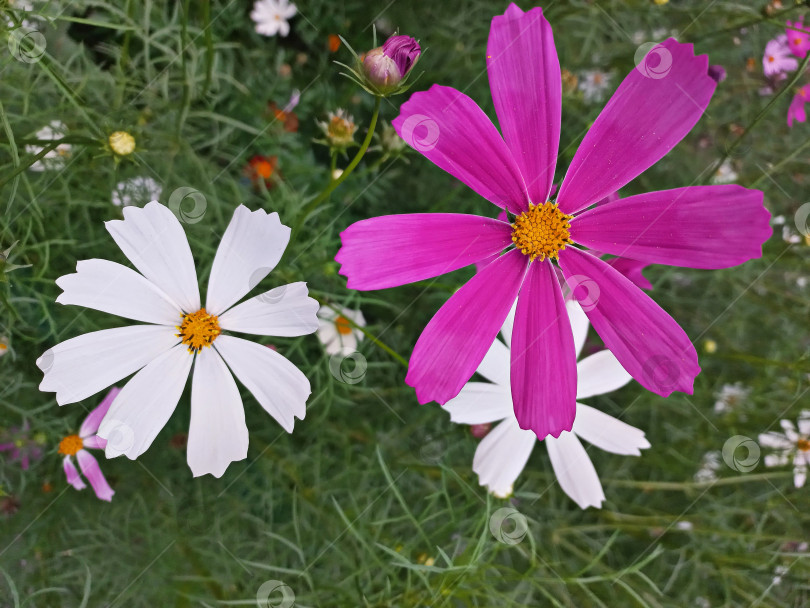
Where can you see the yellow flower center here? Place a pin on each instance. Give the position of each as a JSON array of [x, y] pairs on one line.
[[122, 143], [343, 326], [542, 231], [803, 444], [198, 329], [70, 445]]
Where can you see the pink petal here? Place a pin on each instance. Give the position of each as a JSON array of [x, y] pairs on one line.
[[94, 418], [696, 227], [72, 474], [460, 334], [632, 270], [524, 75], [450, 130], [648, 343], [94, 442], [396, 249], [652, 110], [544, 368], [93, 474]]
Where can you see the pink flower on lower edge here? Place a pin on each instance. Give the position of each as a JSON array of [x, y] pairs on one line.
[[77, 445], [798, 38], [700, 227], [797, 111]]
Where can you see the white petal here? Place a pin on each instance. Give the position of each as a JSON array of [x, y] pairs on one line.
[[502, 455], [804, 426], [579, 324], [154, 241], [479, 403], [283, 311], [574, 470], [790, 430], [250, 248], [799, 474], [495, 365], [145, 404], [113, 288], [509, 324], [776, 460], [217, 435], [283, 28], [776, 441], [608, 433], [278, 385], [599, 374], [82, 366]]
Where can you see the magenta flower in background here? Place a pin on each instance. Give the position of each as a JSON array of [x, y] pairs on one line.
[[778, 57], [797, 110], [20, 445], [77, 446], [700, 227], [717, 73], [798, 38]]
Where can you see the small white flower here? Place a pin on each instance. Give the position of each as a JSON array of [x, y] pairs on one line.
[[685, 526], [659, 33], [801, 282], [789, 236], [3, 345], [336, 330], [790, 443], [594, 84], [730, 397], [176, 333], [778, 220], [638, 36], [709, 468], [25, 6], [135, 190], [778, 573], [725, 174], [56, 158], [270, 16], [503, 453]]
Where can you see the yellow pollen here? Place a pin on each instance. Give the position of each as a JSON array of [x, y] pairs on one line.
[[122, 143], [542, 231], [70, 445], [342, 325], [803, 445], [198, 329]]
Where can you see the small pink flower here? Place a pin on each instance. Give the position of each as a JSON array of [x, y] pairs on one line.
[[778, 57], [797, 111], [74, 445], [798, 38]]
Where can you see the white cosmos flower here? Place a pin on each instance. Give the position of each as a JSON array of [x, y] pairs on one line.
[[730, 397], [270, 16], [594, 84], [790, 443], [180, 333], [503, 453], [136, 189], [336, 332], [725, 174], [56, 158]]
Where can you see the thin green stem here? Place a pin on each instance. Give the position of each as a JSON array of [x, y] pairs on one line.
[[313, 204], [796, 77], [778, 167], [373, 338]]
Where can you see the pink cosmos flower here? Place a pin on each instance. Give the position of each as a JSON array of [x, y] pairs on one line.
[[21, 446], [77, 445], [796, 110], [700, 227], [798, 38], [778, 57]]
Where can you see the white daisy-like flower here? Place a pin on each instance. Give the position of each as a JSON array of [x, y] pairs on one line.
[[594, 84], [730, 396], [179, 332], [709, 467], [134, 190], [3, 345], [25, 6], [725, 174], [503, 453], [337, 331], [56, 158], [270, 16], [789, 236], [789, 444]]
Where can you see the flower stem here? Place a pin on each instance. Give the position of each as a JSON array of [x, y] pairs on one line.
[[796, 77], [334, 183]]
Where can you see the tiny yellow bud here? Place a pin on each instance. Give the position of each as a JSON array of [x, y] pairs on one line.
[[122, 143], [710, 346]]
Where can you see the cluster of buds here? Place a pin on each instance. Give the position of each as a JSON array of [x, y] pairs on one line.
[[385, 70]]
